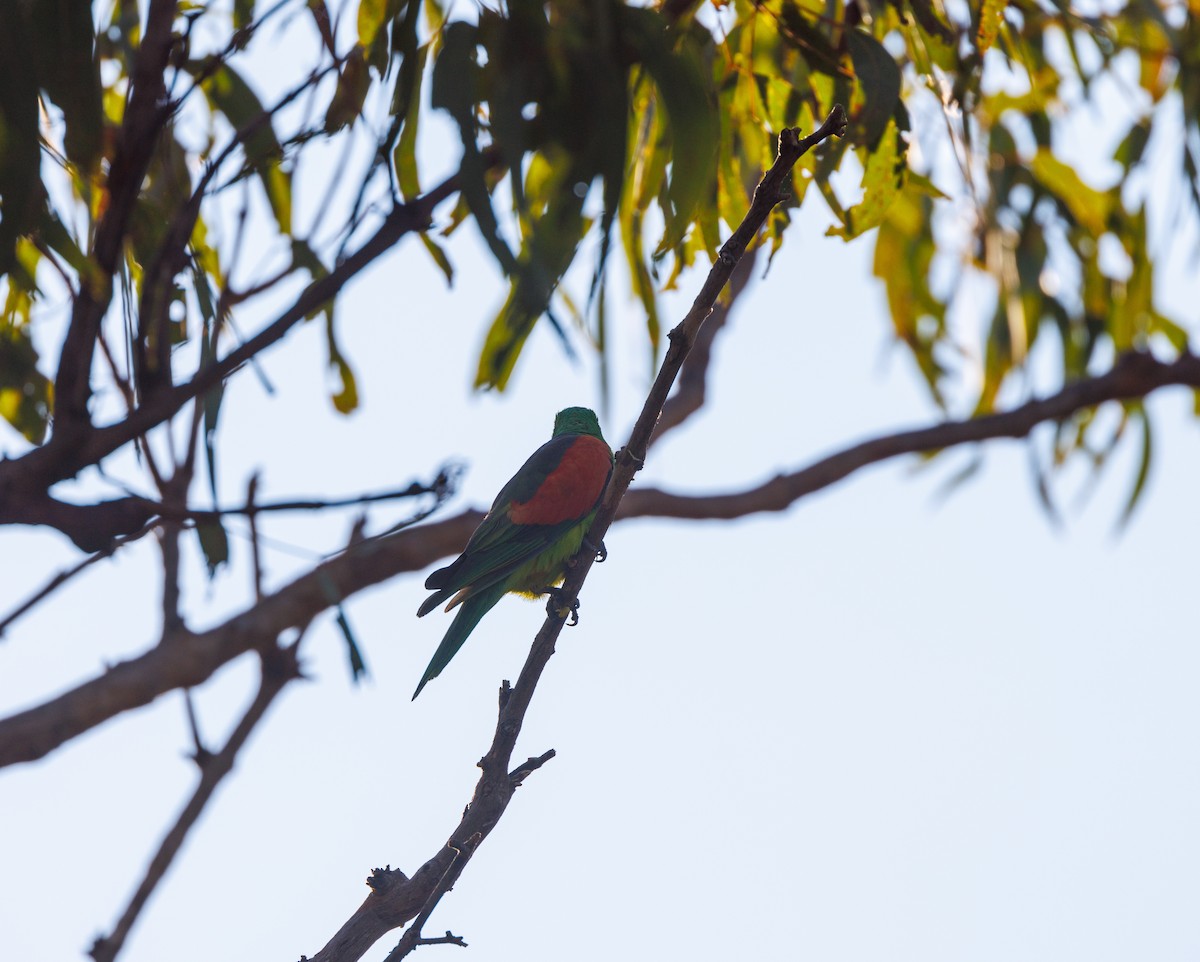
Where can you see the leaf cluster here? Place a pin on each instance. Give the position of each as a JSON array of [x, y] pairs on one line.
[[600, 127]]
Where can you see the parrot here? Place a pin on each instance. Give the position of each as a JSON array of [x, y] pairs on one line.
[[534, 527]]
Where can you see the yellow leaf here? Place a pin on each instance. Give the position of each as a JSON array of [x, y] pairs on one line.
[[882, 178], [1089, 207], [991, 16]]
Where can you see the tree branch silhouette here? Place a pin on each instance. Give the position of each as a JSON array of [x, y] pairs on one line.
[[31, 474], [1134, 375], [144, 116], [416, 897], [691, 389], [279, 666], [185, 659]]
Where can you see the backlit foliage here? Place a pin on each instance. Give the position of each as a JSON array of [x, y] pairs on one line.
[[645, 126]]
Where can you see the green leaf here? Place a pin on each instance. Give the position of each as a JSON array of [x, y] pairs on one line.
[[959, 477], [546, 255], [439, 257], [883, 176], [1129, 152], [70, 74], [304, 257], [214, 544], [345, 399], [650, 155], [1089, 207], [372, 14], [358, 665], [904, 251], [404, 157], [1175, 334], [353, 83], [53, 233], [694, 124], [25, 393], [454, 89], [243, 13], [210, 328], [232, 96], [879, 78], [1138, 413], [373, 36]]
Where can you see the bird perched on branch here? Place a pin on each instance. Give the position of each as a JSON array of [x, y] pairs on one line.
[[535, 526]]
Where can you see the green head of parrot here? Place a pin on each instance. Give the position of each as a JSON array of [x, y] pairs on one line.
[[577, 421]]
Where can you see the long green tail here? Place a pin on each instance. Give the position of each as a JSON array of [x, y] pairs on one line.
[[463, 624]]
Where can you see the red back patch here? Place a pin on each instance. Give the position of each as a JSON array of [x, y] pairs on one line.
[[572, 489]]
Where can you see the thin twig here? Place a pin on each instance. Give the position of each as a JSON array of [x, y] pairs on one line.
[[255, 547], [412, 935], [448, 939], [518, 775], [691, 389], [173, 492], [53, 461], [414, 490], [279, 666], [441, 487], [67, 574]]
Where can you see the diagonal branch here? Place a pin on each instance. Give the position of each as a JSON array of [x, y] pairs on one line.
[[170, 257], [145, 114], [279, 666], [184, 659], [691, 391], [770, 192], [383, 911], [44, 466]]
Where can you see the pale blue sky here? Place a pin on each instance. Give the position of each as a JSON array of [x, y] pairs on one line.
[[881, 725]]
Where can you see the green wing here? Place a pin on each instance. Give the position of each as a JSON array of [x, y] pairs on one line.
[[499, 546]]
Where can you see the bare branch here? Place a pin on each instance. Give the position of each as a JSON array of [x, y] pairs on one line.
[[1135, 375], [173, 493], [93, 527], [414, 490], [383, 911], [412, 936], [448, 939], [518, 775], [37, 731], [690, 392], [255, 546], [185, 659], [67, 574], [279, 666], [442, 487]]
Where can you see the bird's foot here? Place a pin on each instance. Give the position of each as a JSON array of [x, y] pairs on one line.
[[599, 550], [557, 607]]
